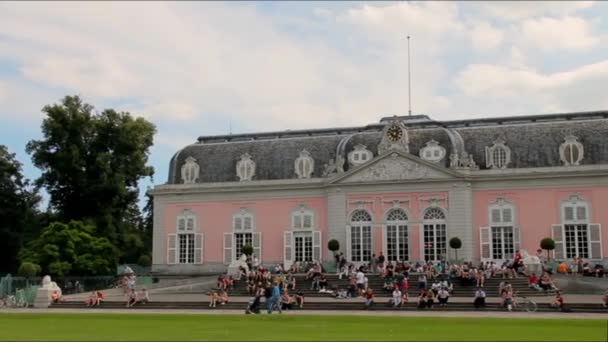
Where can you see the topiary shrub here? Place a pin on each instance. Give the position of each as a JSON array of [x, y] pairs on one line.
[[455, 244], [28, 269], [247, 249], [333, 245], [144, 261], [547, 244]]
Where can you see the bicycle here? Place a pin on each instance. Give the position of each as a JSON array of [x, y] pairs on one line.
[[522, 302]]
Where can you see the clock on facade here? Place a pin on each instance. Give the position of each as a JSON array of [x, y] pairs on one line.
[[394, 133]]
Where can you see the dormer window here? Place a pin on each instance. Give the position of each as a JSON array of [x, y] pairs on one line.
[[432, 152], [304, 165], [571, 151], [359, 155], [190, 171], [498, 156], [245, 168]]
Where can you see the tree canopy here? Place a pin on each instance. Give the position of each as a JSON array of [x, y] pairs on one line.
[[17, 210], [72, 248], [91, 164]]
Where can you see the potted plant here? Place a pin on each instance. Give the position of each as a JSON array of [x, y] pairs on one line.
[[455, 244]]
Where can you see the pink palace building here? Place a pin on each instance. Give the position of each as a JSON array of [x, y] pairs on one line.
[[403, 186]]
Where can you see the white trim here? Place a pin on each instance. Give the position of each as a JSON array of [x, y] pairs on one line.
[[574, 201], [317, 244], [597, 242], [349, 244], [228, 248], [557, 234], [243, 214], [257, 247], [288, 249], [198, 251], [485, 231], [172, 250]]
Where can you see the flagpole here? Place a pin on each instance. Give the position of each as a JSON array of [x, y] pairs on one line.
[[409, 78]]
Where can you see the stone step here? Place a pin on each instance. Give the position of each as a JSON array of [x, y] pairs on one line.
[[350, 306]]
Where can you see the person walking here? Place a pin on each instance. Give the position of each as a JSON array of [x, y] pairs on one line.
[[275, 300]]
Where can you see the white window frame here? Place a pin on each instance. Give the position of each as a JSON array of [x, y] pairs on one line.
[[186, 225], [400, 236], [304, 165], [359, 226], [360, 155], [435, 225], [593, 231], [435, 152], [499, 144], [504, 224], [245, 168], [231, 248], [298, 219], [303, 225]]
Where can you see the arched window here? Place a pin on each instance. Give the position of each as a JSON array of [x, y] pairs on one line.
[[396, 235], [498, 155], [435, 234], [571, 151], [360, 236]]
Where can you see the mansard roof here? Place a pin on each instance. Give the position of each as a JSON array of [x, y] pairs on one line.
[[534, 142]]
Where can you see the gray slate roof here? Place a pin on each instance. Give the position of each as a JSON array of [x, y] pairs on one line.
[[534, 142]]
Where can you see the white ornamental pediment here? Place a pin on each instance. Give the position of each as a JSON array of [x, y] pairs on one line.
[[395, 167]]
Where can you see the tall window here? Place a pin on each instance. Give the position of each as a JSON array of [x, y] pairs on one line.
[[243, 231], [302, 225], [435, 234], [576, 224], [361, 236], [502, 231], [185, 233], [396, 235]]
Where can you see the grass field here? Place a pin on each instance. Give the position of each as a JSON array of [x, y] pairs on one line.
[[148, 327]]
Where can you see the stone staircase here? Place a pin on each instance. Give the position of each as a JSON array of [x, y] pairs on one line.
[[376, 283]]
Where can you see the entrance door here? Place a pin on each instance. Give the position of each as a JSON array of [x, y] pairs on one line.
[[303, 246]]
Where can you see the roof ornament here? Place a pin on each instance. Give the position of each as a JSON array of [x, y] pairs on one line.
[[394, 138], [245, 168], [190, 171]]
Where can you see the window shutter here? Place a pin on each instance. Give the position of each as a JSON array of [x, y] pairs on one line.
[[238, 223], [257, 245], [595, 241], [198, 248], [349, 246], [496, 215], [484, 243], [558, 237], [384, 241], [489, 157], [316, 246], [297, 221], [307, 221], [172, 249], [190, 223], [228, 248], [287, 249], [247, 223], [181, 224], [581, 213], [569, 213], [516, 239]]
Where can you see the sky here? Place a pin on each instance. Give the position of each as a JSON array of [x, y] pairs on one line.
[[205, 68]]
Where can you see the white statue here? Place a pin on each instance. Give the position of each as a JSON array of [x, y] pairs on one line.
[[45, 292], [235, 267], [531, 262]]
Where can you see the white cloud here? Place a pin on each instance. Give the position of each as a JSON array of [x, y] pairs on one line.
[[518, 10], [485, 37], [568, 33]]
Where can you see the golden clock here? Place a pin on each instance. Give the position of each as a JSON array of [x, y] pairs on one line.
[[394, 133]]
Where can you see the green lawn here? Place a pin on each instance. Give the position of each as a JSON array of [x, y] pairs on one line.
[[151, 327]]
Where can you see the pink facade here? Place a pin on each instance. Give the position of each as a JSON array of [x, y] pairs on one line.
[[272, 217], [536, 210]]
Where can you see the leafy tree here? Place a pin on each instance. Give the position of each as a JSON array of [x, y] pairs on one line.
[[28, 269], [18, 215], [144, 261], [91, 164], [455, 244], [333, 245], [247, 249], [72, 248], [547, 244]]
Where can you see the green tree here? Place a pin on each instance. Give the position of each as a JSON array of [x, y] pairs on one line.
[[91, 165], [64, 249], [18, 215], [547, 244], [455, 244]]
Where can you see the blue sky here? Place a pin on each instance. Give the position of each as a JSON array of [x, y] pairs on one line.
[[194, 68]]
